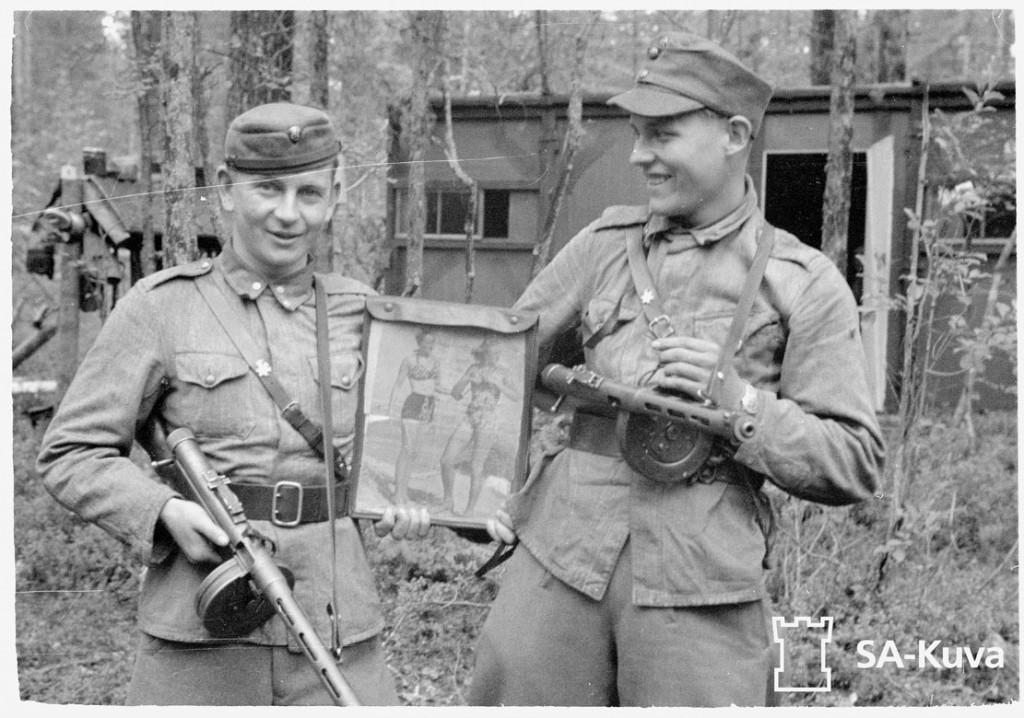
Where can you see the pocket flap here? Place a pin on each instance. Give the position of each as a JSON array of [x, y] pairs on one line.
[[346, 370], [208, 369], [599, 309]]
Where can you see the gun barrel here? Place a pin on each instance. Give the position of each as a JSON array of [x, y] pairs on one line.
[[590, 386], [266, 575]]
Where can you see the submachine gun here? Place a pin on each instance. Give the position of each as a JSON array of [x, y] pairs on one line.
[[252, 564], [661, 436]]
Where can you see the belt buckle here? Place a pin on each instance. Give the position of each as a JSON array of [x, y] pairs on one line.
[[274, 517], [669, 329]]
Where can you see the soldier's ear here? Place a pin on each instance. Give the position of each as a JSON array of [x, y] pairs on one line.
[[227, 202], [741, 132]]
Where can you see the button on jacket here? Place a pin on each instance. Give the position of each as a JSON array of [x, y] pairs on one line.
[[817, 436], [163, 350]]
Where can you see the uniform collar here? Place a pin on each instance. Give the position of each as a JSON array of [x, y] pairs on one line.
[[659, 226], [289, 292]]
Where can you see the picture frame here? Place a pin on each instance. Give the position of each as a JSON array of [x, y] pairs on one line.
[[444, 411]]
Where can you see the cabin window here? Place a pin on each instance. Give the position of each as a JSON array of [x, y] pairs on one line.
[[446, 213]]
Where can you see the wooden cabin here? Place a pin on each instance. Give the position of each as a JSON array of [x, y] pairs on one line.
[[509, 146]]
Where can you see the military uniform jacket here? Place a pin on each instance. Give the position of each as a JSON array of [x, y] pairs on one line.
[[817, 436], [162, 350]]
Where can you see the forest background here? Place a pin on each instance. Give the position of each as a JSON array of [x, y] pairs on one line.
[[938, 564]]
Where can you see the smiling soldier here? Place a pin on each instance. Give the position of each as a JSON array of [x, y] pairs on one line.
[[637, 584], [177, 349]]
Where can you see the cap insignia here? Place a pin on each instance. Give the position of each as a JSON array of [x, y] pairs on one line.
[[294, 133]]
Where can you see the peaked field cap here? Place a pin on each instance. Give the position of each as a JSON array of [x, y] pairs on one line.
[[685, 72], [280, 137]]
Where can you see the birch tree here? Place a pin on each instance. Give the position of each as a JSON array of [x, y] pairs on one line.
[[179, 33]]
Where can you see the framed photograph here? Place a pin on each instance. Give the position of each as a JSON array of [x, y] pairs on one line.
[[444, 409]]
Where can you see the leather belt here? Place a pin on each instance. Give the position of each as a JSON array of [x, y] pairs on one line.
[[289, 503]]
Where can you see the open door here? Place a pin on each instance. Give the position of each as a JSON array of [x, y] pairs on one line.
[[794, 191]]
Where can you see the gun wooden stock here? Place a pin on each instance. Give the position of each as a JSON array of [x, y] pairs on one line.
[[589, 386], [211, 490]]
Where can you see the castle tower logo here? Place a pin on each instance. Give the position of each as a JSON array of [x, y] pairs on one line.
[[801, 667]]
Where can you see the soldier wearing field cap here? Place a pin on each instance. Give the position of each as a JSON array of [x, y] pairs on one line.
[[166, 353], [639, 579]]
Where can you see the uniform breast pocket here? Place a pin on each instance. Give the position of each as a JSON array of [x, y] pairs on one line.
[[215, 397], [606, 314], [346, 371], [712, 327], [764, 343]]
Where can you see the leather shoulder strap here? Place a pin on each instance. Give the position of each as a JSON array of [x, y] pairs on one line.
[[765, 241], [650, 300], [661, 325], [232, 324]]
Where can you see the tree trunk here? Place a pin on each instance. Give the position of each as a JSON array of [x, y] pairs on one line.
[[839, 167], [540, 25], [319, 96], [422, 39], [206, 169], [21, 68], [822, 45], [262, 43], [179, 32], [451, 152], [573, 135], [891, 36], [146, 41], [319, 87]]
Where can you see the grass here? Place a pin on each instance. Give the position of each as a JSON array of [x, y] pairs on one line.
[[949, 573]]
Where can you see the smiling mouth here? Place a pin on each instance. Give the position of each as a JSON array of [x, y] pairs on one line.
[[656, 180]]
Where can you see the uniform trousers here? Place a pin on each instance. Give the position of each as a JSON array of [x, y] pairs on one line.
[[546, 644], [239, 674]]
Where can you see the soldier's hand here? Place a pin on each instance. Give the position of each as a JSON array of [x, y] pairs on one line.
[[686, 366], [500, 528], [193, 530], [403, 523]]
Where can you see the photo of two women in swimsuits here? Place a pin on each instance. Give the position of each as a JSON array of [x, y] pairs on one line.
[[444, 431]]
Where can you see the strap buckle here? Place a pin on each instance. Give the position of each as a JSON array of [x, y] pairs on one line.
[[661, 319], [275, 510]]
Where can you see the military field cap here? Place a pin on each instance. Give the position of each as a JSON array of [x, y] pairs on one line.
[[685, 72], [280, 137]]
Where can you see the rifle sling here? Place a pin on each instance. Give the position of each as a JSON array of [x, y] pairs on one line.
[[323, 361]]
